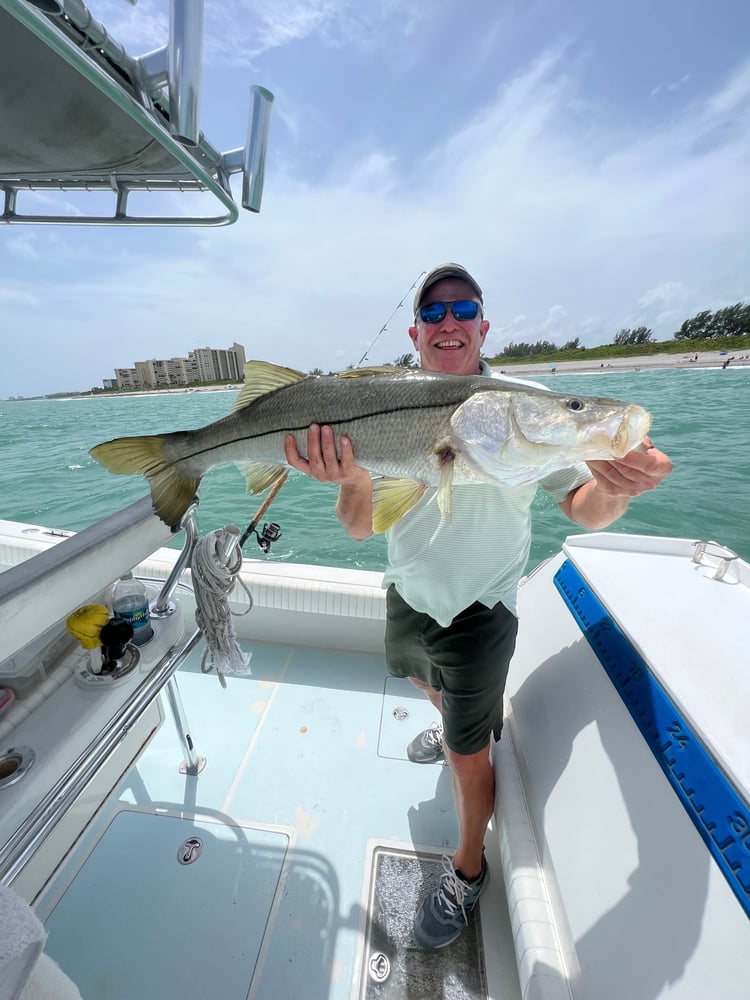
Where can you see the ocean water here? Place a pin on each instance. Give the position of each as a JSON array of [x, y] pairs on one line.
[[701, 419]]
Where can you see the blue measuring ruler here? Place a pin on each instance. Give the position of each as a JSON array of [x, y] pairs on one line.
[[718, 812]]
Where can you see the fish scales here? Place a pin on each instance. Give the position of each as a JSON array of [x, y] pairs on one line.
[[378, 413]]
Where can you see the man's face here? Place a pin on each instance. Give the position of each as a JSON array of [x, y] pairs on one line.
[[450, 345]]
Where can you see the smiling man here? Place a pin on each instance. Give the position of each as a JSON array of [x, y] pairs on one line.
[[449, 328], [451, 584]]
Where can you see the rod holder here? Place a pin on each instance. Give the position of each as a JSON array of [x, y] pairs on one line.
[[227, 543], [254, 167], [185, 68], [251, 158], [164, 606]]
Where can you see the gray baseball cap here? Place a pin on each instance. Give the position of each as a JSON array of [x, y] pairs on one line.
[[438, 274]]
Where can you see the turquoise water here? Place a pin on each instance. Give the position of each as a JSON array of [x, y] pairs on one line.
[[701, 419]]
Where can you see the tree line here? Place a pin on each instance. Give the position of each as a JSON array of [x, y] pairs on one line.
[[732, 321]]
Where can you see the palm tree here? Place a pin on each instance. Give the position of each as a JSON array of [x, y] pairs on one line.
[[405, 361]]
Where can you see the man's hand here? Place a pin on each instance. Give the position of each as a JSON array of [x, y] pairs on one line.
[[636, 473], [354, 506], [323, 462], [603, 499]]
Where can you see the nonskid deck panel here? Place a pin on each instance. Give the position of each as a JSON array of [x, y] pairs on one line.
[[395, 967]]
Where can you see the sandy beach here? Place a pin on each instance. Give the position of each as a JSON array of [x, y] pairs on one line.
[[649, 362]]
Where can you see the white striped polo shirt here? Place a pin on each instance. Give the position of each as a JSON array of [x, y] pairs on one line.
[[442, 566]]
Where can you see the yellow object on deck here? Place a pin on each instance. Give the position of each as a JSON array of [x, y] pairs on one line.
[[86, 623]]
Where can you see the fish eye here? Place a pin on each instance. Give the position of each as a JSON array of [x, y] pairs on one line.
[[575, 404]]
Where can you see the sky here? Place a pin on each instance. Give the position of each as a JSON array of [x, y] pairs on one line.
[[588, 162]]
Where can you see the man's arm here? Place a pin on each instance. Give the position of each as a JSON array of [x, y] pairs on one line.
[[354, 505], [600, 501]]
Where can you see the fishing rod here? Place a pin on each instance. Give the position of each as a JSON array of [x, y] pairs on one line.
[[271, 532], [385, 325]]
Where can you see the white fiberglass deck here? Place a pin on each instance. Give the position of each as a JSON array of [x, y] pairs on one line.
[[306, 775]]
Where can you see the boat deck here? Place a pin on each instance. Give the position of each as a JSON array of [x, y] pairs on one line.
[[318, 836]]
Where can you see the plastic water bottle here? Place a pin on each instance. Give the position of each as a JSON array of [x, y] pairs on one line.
[[130, 601]]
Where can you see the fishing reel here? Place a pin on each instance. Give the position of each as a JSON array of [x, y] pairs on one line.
[[271, 533]]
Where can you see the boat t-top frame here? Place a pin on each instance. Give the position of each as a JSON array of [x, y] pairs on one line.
[[79, 114]]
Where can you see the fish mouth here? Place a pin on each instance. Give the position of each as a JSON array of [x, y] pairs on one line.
[[632, 430], [621, 435]]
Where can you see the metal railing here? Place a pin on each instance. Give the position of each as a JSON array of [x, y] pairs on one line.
[[159, 91], [32, 833]]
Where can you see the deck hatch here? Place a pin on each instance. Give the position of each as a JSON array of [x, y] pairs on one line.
[[394, 966], [405, 712], [209, 919]]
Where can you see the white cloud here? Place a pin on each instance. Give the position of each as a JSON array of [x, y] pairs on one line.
[[18, 296], [677, 84], [575, 223], [23, 244], [556, 321], [732, 98], [663, 293], [238, 32], [672, 87], [140, 28], [333, 22]]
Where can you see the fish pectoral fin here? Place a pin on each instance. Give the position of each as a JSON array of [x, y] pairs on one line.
[[445, 489], [391, 499], [171, 492], [260, 476], [261, 377]]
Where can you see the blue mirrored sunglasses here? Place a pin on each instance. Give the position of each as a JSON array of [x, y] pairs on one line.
[[463, 310]]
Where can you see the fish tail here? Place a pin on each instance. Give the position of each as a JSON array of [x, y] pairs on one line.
[[171, 492]]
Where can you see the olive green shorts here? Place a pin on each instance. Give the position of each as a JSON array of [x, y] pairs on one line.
[[467, 661]]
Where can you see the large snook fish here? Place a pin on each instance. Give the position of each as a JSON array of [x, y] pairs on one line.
[[409, 429]]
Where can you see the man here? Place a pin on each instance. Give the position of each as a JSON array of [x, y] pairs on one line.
[[451, 622]]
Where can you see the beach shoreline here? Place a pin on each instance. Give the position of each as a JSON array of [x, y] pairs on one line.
[[646, 362], [138, 393]]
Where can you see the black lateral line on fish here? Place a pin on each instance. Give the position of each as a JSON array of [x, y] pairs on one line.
[[303, 427]]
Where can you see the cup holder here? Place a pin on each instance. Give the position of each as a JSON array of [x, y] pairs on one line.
[[14, 763]]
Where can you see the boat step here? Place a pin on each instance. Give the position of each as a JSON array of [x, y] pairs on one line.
[[395, 967]]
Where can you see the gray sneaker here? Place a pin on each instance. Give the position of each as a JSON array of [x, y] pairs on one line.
[[446, 911], [427, 748]]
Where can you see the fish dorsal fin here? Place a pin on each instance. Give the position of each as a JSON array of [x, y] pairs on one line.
[[261, 377], [391, 499], [374, 370]]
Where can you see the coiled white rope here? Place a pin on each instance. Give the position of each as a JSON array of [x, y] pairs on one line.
[[215, 566]]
